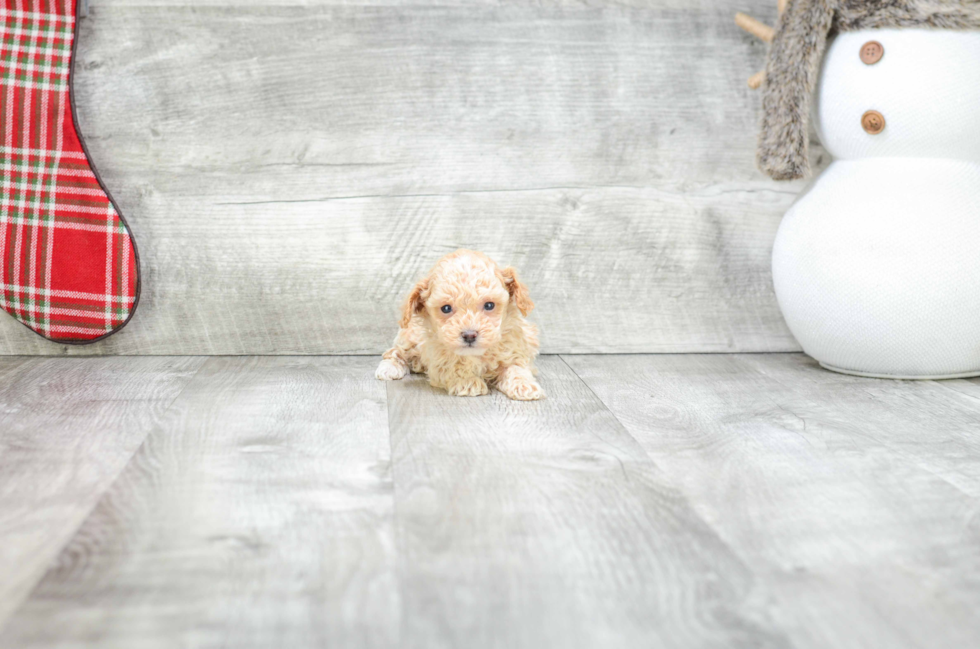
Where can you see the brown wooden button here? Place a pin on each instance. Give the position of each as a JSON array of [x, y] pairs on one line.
[[871, 52], [873, 122]]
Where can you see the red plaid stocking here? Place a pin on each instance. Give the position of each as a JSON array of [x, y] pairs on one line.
[[68, 263]]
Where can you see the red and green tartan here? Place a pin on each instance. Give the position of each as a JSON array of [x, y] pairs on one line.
[[68, 264]]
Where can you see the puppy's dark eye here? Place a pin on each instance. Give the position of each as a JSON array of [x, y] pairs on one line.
[[489, 306], [447, 309]]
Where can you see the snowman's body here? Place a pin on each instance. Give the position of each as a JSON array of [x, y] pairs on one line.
[[877, 265]]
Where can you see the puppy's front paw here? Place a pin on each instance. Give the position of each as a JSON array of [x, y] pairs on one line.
[[469, 388], [390, 370], [523, 391], [519, 384]]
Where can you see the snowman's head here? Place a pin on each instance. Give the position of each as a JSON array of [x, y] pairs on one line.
[[924, 86]]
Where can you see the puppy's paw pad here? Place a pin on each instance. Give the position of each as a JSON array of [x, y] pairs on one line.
[[525, 391], [476, 388], [390, 371]]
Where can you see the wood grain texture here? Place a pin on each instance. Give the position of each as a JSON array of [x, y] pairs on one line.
[[546, 525], [258, 515], [854, 500], [674, 501], [290, 169], [67, 429]]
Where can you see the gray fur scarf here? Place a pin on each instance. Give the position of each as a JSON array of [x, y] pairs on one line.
[[796, 53]]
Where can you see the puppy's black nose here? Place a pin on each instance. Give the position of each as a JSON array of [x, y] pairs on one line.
[[469, 337]]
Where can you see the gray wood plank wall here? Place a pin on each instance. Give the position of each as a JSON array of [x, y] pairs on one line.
[[290, 168]]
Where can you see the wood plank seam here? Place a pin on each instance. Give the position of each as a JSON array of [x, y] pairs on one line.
[[399, 554], [95, 503], [623, 428]]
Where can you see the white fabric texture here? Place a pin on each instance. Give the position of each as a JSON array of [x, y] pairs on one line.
[[927, 85], [877, 265]]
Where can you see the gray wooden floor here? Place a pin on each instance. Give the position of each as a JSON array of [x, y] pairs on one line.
[[671, 501]]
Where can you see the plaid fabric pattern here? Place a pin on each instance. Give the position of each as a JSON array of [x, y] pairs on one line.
[[67, 262]]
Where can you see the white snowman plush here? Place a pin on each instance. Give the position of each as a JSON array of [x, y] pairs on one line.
[[877, 265]]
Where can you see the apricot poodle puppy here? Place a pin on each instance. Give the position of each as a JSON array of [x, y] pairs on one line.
[[464, 326]]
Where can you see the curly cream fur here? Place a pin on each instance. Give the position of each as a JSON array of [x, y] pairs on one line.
[[794, 62], [431, 342]]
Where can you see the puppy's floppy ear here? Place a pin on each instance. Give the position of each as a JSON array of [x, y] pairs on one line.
[[518, 291], [415, 303]]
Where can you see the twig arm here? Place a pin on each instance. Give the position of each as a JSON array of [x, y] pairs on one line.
[[758, 29]]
